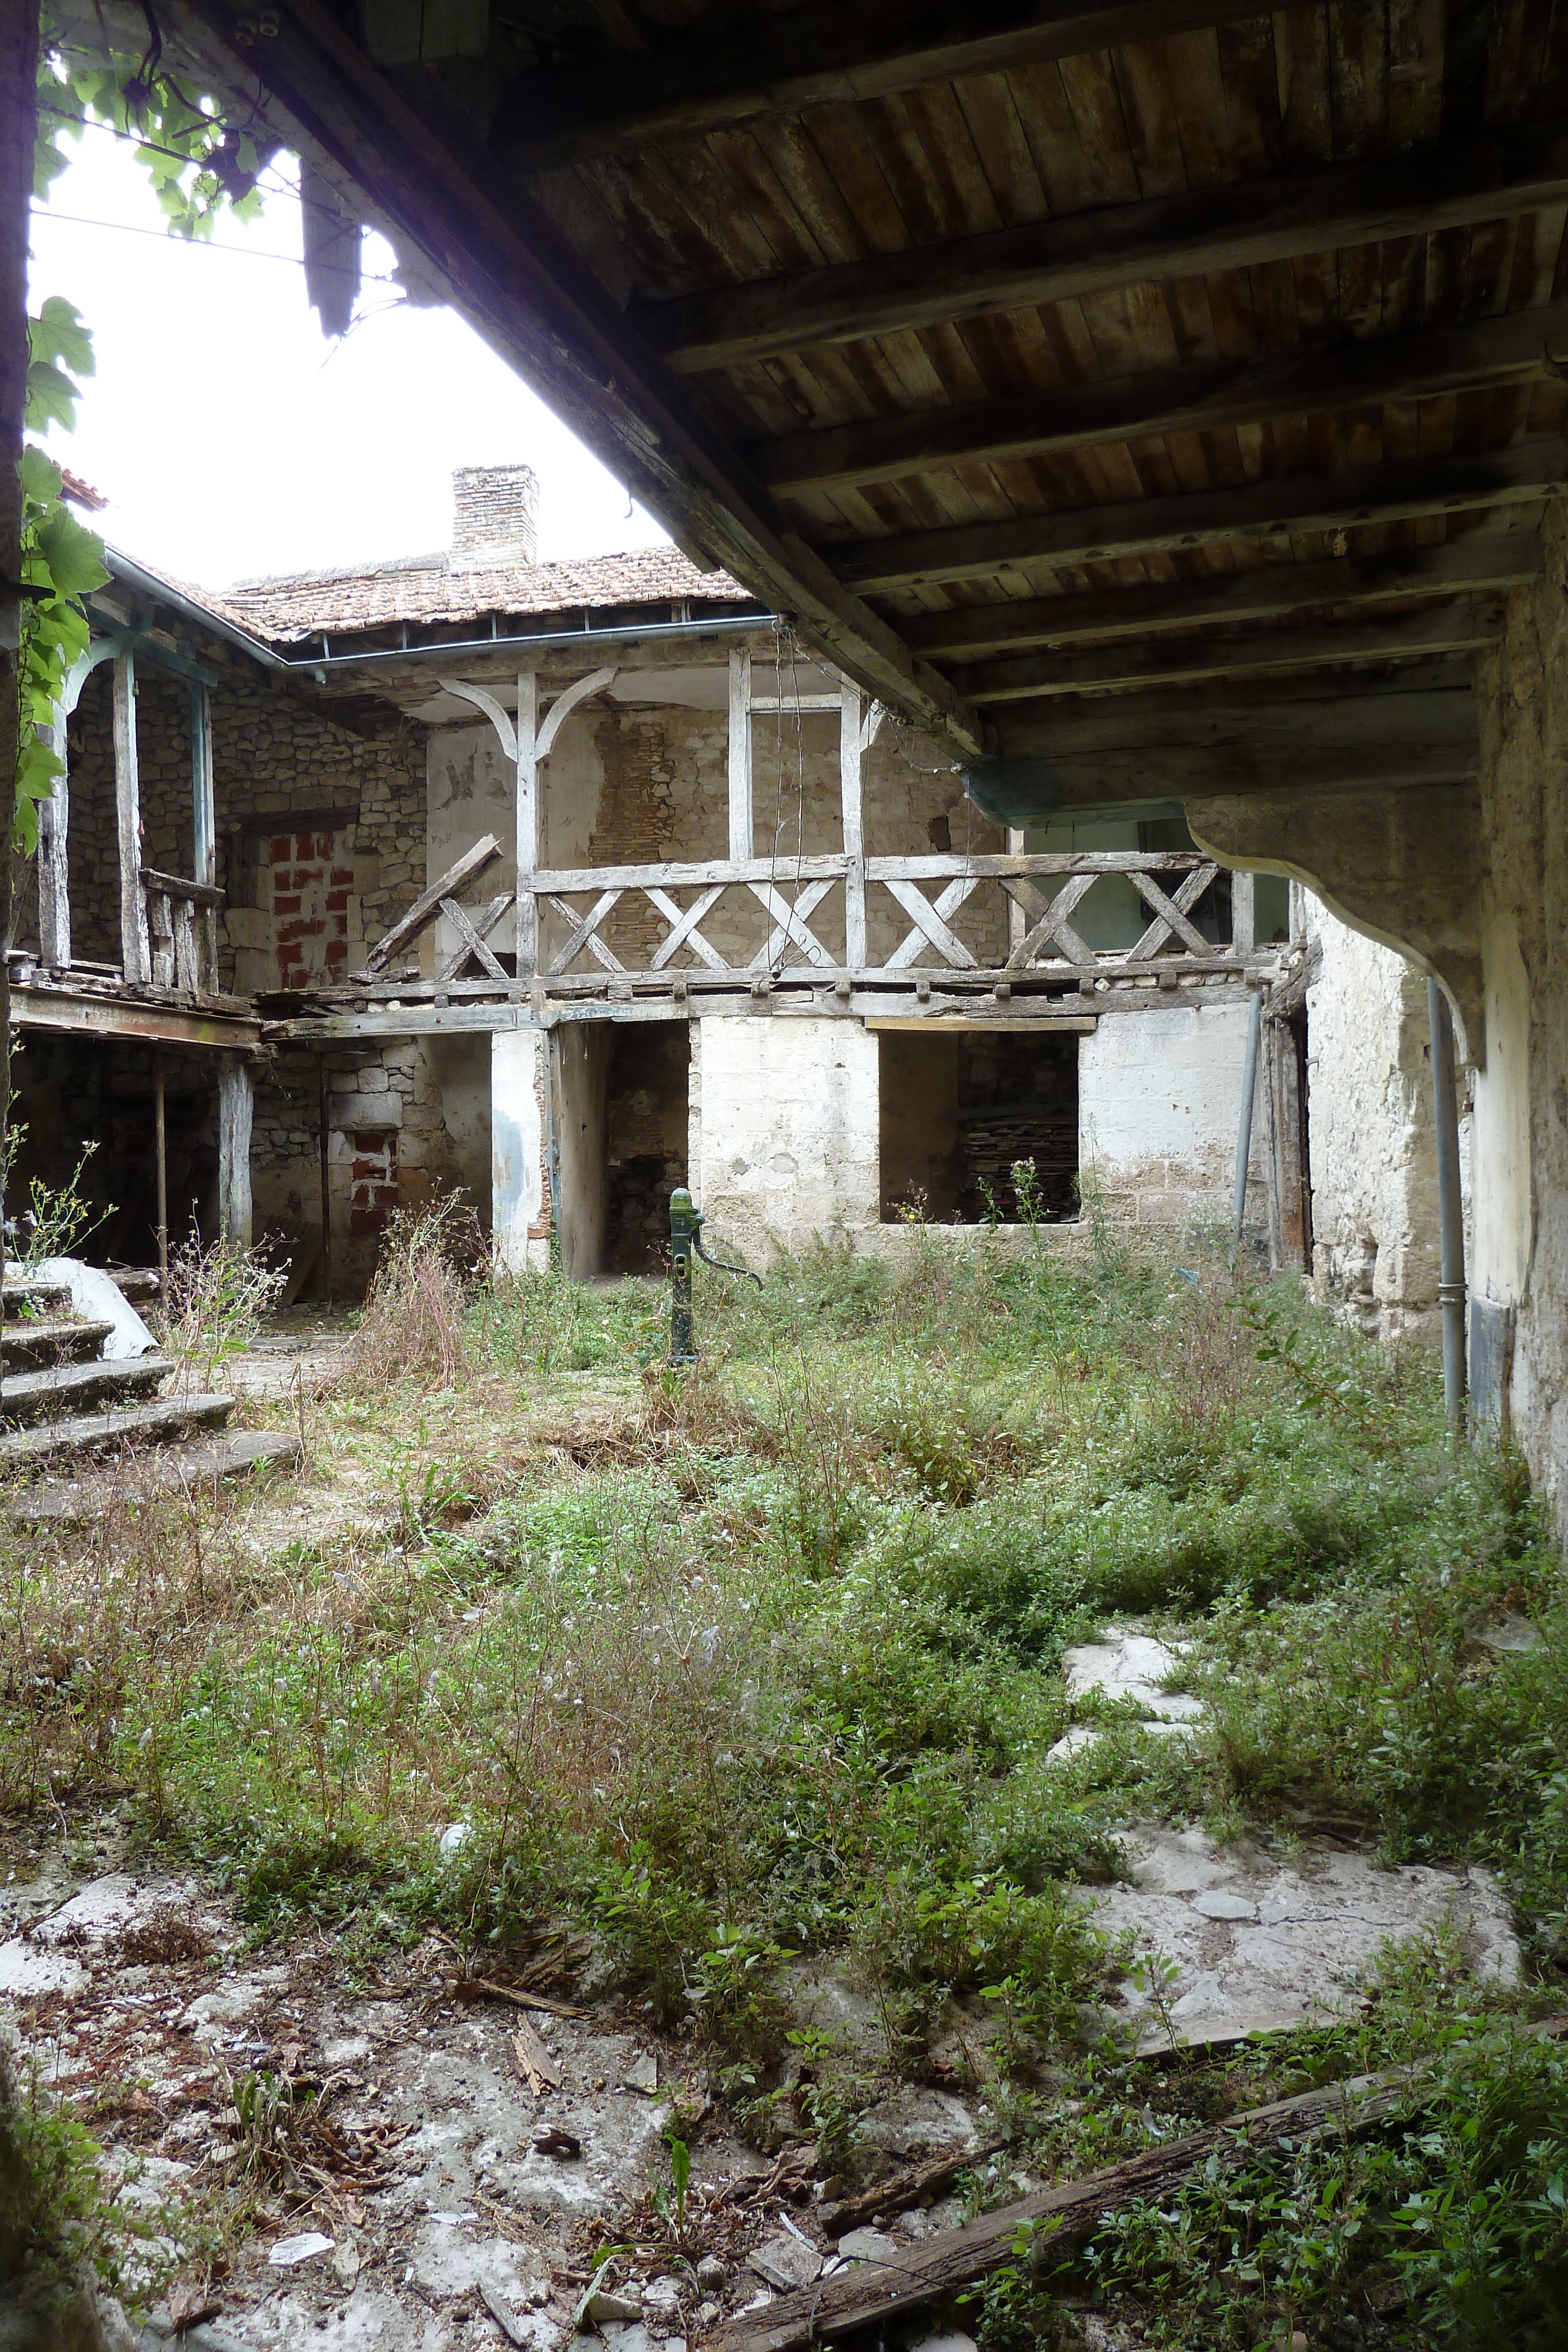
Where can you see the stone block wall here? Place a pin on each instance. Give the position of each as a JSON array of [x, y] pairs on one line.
[[1371, 1126], [1159, 1112]]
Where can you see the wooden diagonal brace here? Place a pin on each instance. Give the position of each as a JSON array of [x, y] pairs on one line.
[[685, 932], [427, 906], [1053, 923], [471, 936], [584, 933], [1170, 914], [931, 926], [789, 923]]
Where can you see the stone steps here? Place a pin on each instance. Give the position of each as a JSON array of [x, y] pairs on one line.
[[55, 1394], [170, 1469], [119, 1427], [36, 1298], [47, 1341]]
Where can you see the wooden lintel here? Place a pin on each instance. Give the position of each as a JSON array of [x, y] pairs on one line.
[[1462, 627], [1481, 560], [78, 1013], [610, 98], [1212, 393], [1242, 223], [963, 1025], [1277, 510]]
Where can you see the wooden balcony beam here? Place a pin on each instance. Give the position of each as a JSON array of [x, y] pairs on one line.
[[1492, 561], [1293, 506], [1213, 394], [1448, 184], [610, 98]]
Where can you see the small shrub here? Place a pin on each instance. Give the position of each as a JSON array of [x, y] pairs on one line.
[[412, 1323]]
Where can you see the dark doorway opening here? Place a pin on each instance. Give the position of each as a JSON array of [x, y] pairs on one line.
[[622, 1108], [959, 1112]]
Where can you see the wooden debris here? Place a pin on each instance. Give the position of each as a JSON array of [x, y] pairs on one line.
[[556, 2140], [510, 2325], [539, 2068], [903, 2189], [190, 2305], [926, 2272], [485, 1989]]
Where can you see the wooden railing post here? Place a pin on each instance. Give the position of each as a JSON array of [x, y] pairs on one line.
[[1243, 920], [135, 955], [203, 836], [854, 839], [528, 826], [54, 859], [740, 827]]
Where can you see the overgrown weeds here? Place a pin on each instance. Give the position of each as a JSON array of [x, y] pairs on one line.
[[734, 1670]]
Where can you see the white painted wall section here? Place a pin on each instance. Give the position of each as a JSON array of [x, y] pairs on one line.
[[786, 1122], [1159, 1109], [520, 1226]]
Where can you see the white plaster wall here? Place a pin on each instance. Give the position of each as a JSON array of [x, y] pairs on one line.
[[519, 1217], [1371, 1129], [785, 1130], [1160, 1110]]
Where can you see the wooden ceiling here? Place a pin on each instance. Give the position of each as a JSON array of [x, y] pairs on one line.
[[1155, 389]]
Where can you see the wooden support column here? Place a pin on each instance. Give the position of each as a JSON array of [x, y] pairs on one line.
[[740, 757], [529, 829], [1289, 1221], [1017, 922], [1243, 920], [54, 860], [850, 747], [203, 834], [160, 1156], [235, 1106], [135, 951], [325, 1137]]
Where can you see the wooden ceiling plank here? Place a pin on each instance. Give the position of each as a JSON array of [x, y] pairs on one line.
[[1358, 76], [1262, 510], [1491, 562], [1415, 33], [1362, 205], [1350, 376], [1088, 84], [831, 54], [991, 115], [1301, 52], [1516, 53], [1463, 627], [1249, 76], [1207, 148]]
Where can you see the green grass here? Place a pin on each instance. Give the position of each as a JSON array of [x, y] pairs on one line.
[[764, 1660]]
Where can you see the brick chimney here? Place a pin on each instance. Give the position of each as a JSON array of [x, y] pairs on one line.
[[495, 517]]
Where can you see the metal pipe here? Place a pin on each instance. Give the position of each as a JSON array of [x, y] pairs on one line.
[[160, 1156], [326, 1182], [1244, 1134], [1450, 1205]]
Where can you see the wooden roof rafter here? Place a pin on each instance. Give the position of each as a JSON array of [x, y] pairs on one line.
[[1030, 355]]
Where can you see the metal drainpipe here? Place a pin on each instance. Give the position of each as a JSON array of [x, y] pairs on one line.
[[1244, 1134], [1450, 1207]]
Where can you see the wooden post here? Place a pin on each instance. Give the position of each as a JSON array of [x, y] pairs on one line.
[[855, 837], [160, 1156], [529, 826], [1243, 920], [235, 1104], [1017, 922], [326, 1134], [204, 833], [135, 955], [741, 828], [54, 861], [1290, 1235]]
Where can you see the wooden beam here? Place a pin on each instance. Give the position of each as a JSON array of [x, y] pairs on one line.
[[1416, 192], [427, 906], [1486, 560], [498, 257], [135, 948], [706, 79], [1198, 399], [1462, 627], [741, 842], [1296, 506]]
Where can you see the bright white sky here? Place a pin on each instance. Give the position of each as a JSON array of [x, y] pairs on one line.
[[233, 440]]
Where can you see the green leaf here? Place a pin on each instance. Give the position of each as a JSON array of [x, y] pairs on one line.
[[73, 553], [51, 397], [58, 334]]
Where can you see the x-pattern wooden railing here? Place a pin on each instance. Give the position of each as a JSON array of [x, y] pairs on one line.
[[1043, 892]]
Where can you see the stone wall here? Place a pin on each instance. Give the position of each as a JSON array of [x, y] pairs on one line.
[[1371, 1129], [1159, 1110], [1519, 1260], [784, 1130]]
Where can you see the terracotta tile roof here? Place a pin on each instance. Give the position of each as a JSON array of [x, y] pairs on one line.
[[425, 590], [80, 493]]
